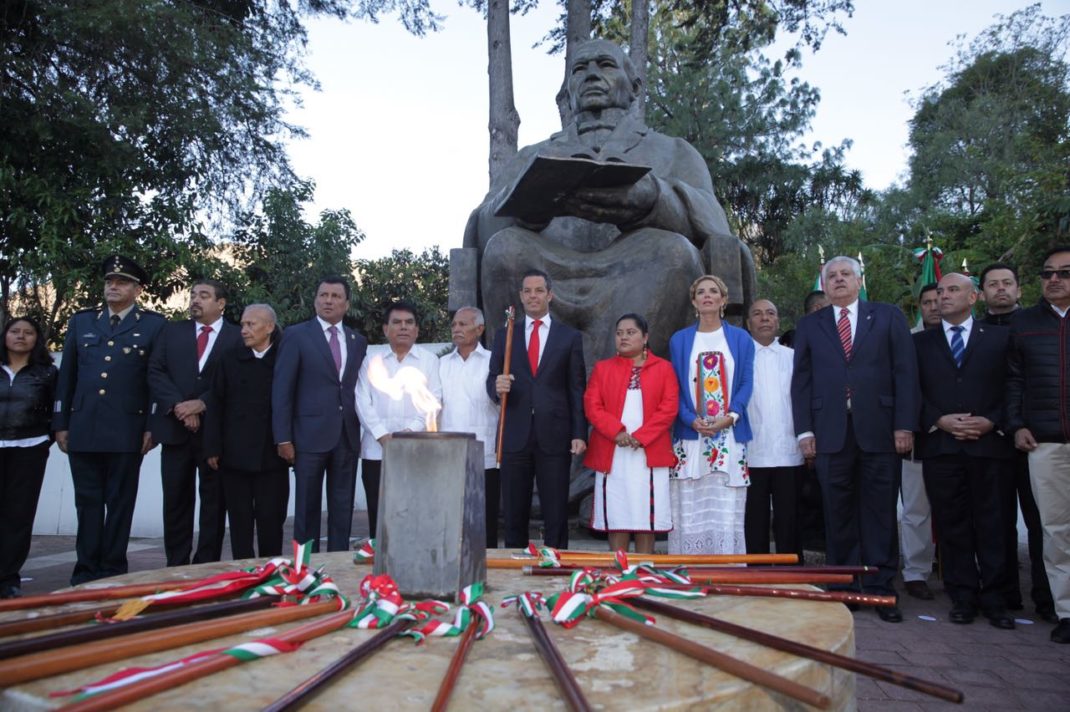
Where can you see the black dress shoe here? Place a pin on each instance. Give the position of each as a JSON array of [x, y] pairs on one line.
[[919, 589], [852, 607], [1046, 613], [1000, 619], [10, 592], [962, 614], [890, 614], [1061, 633]]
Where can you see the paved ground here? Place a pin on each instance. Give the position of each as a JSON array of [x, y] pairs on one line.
[[996, 669]]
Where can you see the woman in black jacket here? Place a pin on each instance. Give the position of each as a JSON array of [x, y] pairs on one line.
[[238, 442], [29, 386]]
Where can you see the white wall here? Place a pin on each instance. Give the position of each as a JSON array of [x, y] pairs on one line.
[[55, 509]]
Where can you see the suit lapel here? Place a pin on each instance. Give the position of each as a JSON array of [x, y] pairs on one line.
[[863, 327], [319, 342], [976, 334], [222, 343], [187, 345], [553, 337], [351, 345], [826, 319]]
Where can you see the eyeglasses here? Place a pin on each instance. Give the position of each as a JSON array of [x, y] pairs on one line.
[[1060, 273]]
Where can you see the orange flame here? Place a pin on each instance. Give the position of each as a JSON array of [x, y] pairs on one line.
[[407, 381]]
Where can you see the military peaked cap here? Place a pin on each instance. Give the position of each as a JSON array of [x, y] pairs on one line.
[[119, 266]]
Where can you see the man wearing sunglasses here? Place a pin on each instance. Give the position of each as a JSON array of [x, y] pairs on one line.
[[1038, 413]]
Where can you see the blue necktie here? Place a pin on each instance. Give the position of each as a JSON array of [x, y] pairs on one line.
[[958, 349]]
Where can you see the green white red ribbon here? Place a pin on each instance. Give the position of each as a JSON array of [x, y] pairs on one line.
[[472, 611], [547, 555], [529, 603], [278, 577], [245, 652], [365, 553]]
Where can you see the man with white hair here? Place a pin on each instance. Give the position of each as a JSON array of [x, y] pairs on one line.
[[466, 405], [855, 405]]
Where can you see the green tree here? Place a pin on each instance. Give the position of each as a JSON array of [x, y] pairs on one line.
[[990, 170], [422, 280], [711, 82], [278, 256], [144, 126]]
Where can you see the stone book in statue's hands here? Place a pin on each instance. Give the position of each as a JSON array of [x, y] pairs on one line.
[[537, 195]]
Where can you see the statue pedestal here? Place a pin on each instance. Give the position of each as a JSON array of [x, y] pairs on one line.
[[432, 536]]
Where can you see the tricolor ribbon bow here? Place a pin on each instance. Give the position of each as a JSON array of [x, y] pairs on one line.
[[547, 555], [471, 611]]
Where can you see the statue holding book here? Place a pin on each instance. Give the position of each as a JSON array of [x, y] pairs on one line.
[[621, 217]]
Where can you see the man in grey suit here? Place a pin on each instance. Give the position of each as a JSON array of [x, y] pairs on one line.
[[314, 417]]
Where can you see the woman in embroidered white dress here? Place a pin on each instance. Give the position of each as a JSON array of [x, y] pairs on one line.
[[714, 365]]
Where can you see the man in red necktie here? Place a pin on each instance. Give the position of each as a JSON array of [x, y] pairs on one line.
[[544, 423], [855, 406], [180, 376]]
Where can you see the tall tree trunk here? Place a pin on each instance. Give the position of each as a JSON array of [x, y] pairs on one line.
[[577, 29], [637, 51], [504, 119]]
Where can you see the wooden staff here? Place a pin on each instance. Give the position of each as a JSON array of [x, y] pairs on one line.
[[300, 694], [137, 691], [510, 322], [802, 650], [738, 576], [719, 660], [862, 599], [442, 699], [111, 630], [46, 664], [563, 677], [854, 570], [55, 620], [90, 594], [607, 557], [581, 559]]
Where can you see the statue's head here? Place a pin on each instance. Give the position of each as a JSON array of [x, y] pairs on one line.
[[601, 77]]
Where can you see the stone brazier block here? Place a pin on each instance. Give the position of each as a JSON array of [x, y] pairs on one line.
[[431, 535]]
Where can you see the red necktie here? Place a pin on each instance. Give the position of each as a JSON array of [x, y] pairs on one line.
[[533, 347], [844, 327], [202, 341]]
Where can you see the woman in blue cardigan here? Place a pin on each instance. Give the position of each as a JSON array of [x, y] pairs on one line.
[[714, 364]]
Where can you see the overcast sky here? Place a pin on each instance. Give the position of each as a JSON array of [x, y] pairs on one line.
[[398, 133]]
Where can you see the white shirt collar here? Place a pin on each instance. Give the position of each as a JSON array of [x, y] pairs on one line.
[[325, 325], [967, 326], [261, 354], [216, 325], [479, 350], [852, 308], [528, 321]]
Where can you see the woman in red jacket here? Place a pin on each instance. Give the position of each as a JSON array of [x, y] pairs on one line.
[[631, 402]]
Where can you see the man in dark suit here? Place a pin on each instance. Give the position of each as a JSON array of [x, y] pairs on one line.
[[544, 423], [238, 443], [855, 405], [101, 416], [966, 457], [180, 376], [314, 415], [1000, 292]]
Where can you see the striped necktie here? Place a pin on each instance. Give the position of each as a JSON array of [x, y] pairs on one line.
[[958, 348], [844, 327]]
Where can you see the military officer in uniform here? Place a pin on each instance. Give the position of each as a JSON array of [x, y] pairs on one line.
[[100, 419]]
